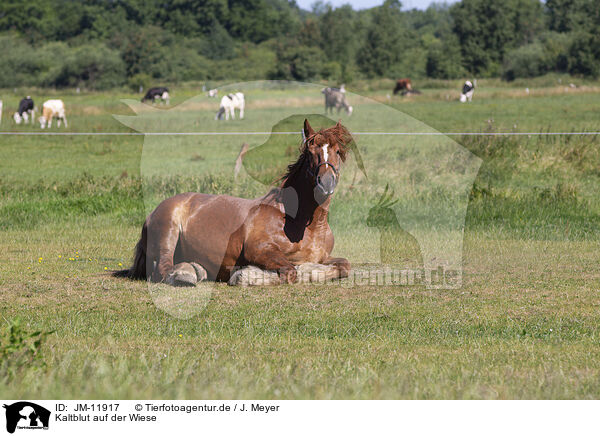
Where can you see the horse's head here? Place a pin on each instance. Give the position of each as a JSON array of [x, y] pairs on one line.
[[326, 150]]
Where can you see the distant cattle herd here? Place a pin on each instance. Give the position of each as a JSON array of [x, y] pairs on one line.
[[51, 109], [335, 98]]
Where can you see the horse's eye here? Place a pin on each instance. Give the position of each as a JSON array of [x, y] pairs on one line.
[[338, 152]]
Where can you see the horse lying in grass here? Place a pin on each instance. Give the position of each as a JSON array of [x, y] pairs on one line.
[[192, 236]]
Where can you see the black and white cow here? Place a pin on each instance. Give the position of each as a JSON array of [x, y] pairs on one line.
[[467, 92], [157, 93], [229, 103], [26, 109]]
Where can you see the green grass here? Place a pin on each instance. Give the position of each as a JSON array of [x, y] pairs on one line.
[[525, 324]]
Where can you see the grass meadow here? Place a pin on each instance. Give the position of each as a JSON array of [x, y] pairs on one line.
[[524, 324]]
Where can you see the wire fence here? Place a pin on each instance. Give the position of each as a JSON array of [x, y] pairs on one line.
[[296, 133]]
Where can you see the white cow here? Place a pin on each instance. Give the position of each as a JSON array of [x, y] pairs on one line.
[[51, 109], [229, 103]]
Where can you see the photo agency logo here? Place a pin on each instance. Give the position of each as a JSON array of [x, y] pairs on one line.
[[285, 170], [24, 415]]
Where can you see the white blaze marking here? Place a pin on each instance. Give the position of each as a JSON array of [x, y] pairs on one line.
[[325, 154]]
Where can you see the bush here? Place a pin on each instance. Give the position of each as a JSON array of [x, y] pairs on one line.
[[575, 53], [141, 80], [94, 66], [529, 60], [20, 64], [56, 64], [251, 63], [332, 71]]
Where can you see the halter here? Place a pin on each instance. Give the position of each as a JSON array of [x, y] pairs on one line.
[[315, 173]]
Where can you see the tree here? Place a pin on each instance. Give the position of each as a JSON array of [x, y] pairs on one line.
[[444, 59], [385, 41], [37, 20], [259, 20], [487, 30], [339, 34], [584, 55]]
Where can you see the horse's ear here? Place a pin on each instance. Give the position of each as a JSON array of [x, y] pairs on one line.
[[308, 131]]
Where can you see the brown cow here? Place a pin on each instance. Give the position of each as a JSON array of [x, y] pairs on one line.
[[402, 84]]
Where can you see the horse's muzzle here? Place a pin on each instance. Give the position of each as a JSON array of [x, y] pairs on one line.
[[327, 183]]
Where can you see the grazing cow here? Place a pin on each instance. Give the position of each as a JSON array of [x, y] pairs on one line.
[[213, 92], [157, 93], [229, 103], [336, 98], [402, 85], [51, 109], [26, 108], [467, 92]]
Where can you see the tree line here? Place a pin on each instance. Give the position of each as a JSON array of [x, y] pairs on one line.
[[102, 44]]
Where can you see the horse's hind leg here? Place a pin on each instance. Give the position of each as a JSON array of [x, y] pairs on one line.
[[162, 242]]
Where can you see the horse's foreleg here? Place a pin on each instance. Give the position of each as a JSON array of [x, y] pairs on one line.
[[342, 266], [270, 257]]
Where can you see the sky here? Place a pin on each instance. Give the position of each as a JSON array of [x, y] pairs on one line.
[[363, 4]]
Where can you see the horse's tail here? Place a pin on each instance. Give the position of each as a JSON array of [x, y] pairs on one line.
[[138, 269]]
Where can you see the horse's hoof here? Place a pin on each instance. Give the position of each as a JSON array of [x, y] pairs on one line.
[[186, 274], [316, 273], [201, 273], [253, 276]]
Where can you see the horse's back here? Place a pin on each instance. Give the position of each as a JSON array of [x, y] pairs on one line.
[[192, 206]]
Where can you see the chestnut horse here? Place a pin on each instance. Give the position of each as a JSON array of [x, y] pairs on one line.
[[402, 84], [192, 236]]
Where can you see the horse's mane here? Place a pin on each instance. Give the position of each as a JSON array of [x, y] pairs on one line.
[[337, 134]]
